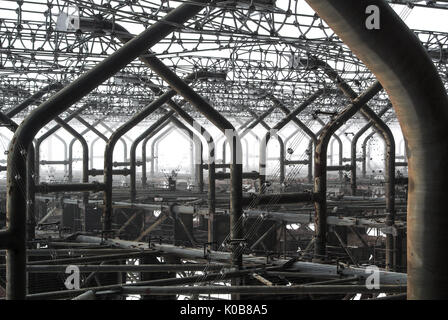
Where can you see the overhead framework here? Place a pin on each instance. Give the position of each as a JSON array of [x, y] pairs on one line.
[[135, 138]]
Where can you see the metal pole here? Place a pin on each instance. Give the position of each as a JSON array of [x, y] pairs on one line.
[[118, 133], [70, 152], [261, 290], [45, 136], [16, 200], [421, 103], [223, 124], [320, 168], [290, 116], [365, 156], [161, 121]]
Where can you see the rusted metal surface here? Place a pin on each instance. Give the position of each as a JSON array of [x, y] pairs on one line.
[[320, 168], [421, 104]]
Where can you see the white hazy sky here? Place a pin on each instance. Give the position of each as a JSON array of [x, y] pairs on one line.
[[417, 18]]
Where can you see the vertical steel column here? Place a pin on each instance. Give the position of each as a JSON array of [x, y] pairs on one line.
[[320, 168], [364, 153], [388, 137], [280, 125], [353, 150], [70, 151], [341, 147], [161, 121], [236, 177], [31, 197], [45, 136], [72, 93], [421, 104], [85, 166]]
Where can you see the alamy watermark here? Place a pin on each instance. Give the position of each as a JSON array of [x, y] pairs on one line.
[[373, 18], [73, 280], [373, 278]]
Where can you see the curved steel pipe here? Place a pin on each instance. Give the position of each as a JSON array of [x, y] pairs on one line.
[[30, 192], [340, 150], [291, 116], [320, 168], [366, 155], [421, 104], [353, 151], [161, 121], [72, 93], [389, 140], [46, 135], [116, 135], [85, 166], [122, 140], [70, 151]]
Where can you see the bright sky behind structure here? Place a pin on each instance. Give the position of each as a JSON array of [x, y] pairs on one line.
[[416, 18]]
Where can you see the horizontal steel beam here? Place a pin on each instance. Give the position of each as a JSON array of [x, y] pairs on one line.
[[385, 277], [258, 290], [127, 268], [118, 172], [74, 187]]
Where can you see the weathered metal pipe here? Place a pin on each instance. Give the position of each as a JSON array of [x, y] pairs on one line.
[[353, 149], [340, 150], [387, 136], [119, 132], [30, 208], [16, 200], [317, 269], [255, 290], [320, 168], [421, 104], [73, 187], [46, 135], [127, 268], [70, 152], [133, 150], [290, 116]]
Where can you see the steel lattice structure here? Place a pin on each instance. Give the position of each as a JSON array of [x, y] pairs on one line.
[[259, 45]]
